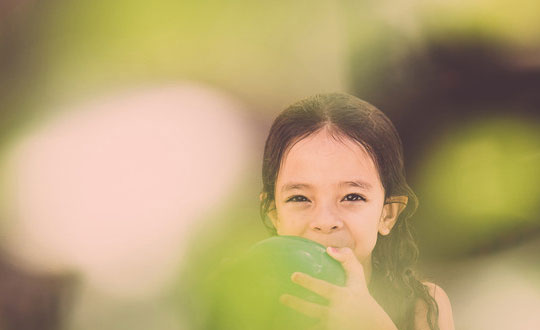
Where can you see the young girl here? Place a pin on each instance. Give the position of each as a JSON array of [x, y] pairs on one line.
[[333, 173]]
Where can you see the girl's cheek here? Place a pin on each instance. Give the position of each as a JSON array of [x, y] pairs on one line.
[[291, 221], [365, 247]]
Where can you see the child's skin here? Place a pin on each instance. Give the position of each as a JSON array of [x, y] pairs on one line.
[[329, 191]]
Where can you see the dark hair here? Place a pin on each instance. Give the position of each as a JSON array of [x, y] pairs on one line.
[[394, 284]]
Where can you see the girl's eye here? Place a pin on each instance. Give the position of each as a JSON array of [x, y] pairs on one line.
[[353, 198], [297, 198]]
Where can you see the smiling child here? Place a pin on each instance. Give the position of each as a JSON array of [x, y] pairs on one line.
[[333, 173]]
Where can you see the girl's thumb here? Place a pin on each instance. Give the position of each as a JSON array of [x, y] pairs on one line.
[[353, 267]]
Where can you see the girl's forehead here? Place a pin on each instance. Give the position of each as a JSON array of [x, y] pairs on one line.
[[325, 144], [321, 157], [325, 139]]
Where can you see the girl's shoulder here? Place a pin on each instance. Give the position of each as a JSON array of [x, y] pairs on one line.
[[445, 319]]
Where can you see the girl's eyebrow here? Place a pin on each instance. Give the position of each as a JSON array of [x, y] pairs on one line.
[[354, 183], [291, 186]]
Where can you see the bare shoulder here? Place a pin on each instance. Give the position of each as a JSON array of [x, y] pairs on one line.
[[445, 320]]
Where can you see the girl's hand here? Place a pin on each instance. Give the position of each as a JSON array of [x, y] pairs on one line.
[[351, 307]]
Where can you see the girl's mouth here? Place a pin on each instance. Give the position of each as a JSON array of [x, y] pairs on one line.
[[333, 242]]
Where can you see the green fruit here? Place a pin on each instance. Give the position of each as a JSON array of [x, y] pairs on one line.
[[250, 286]]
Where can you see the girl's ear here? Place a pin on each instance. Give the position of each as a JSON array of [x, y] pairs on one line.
[[392, 208], [273, 217], [272, 214]]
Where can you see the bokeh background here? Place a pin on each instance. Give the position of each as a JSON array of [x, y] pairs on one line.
[[131, 137]]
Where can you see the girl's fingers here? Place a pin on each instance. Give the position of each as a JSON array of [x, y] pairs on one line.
[[320, 287], [353, 267], [310, 309]]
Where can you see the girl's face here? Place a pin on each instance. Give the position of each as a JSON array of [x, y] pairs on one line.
[[329, 191]]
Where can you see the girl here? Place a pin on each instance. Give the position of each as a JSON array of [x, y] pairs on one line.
[[333, 173]]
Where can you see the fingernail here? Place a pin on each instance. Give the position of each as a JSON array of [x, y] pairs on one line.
[[332, 249]]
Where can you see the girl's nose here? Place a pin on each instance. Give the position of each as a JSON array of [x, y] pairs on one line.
[[326, 221]]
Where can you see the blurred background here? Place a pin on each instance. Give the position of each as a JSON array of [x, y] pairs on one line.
[[132, 134]]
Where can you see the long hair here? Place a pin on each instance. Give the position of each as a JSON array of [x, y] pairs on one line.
[[395, 286]]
